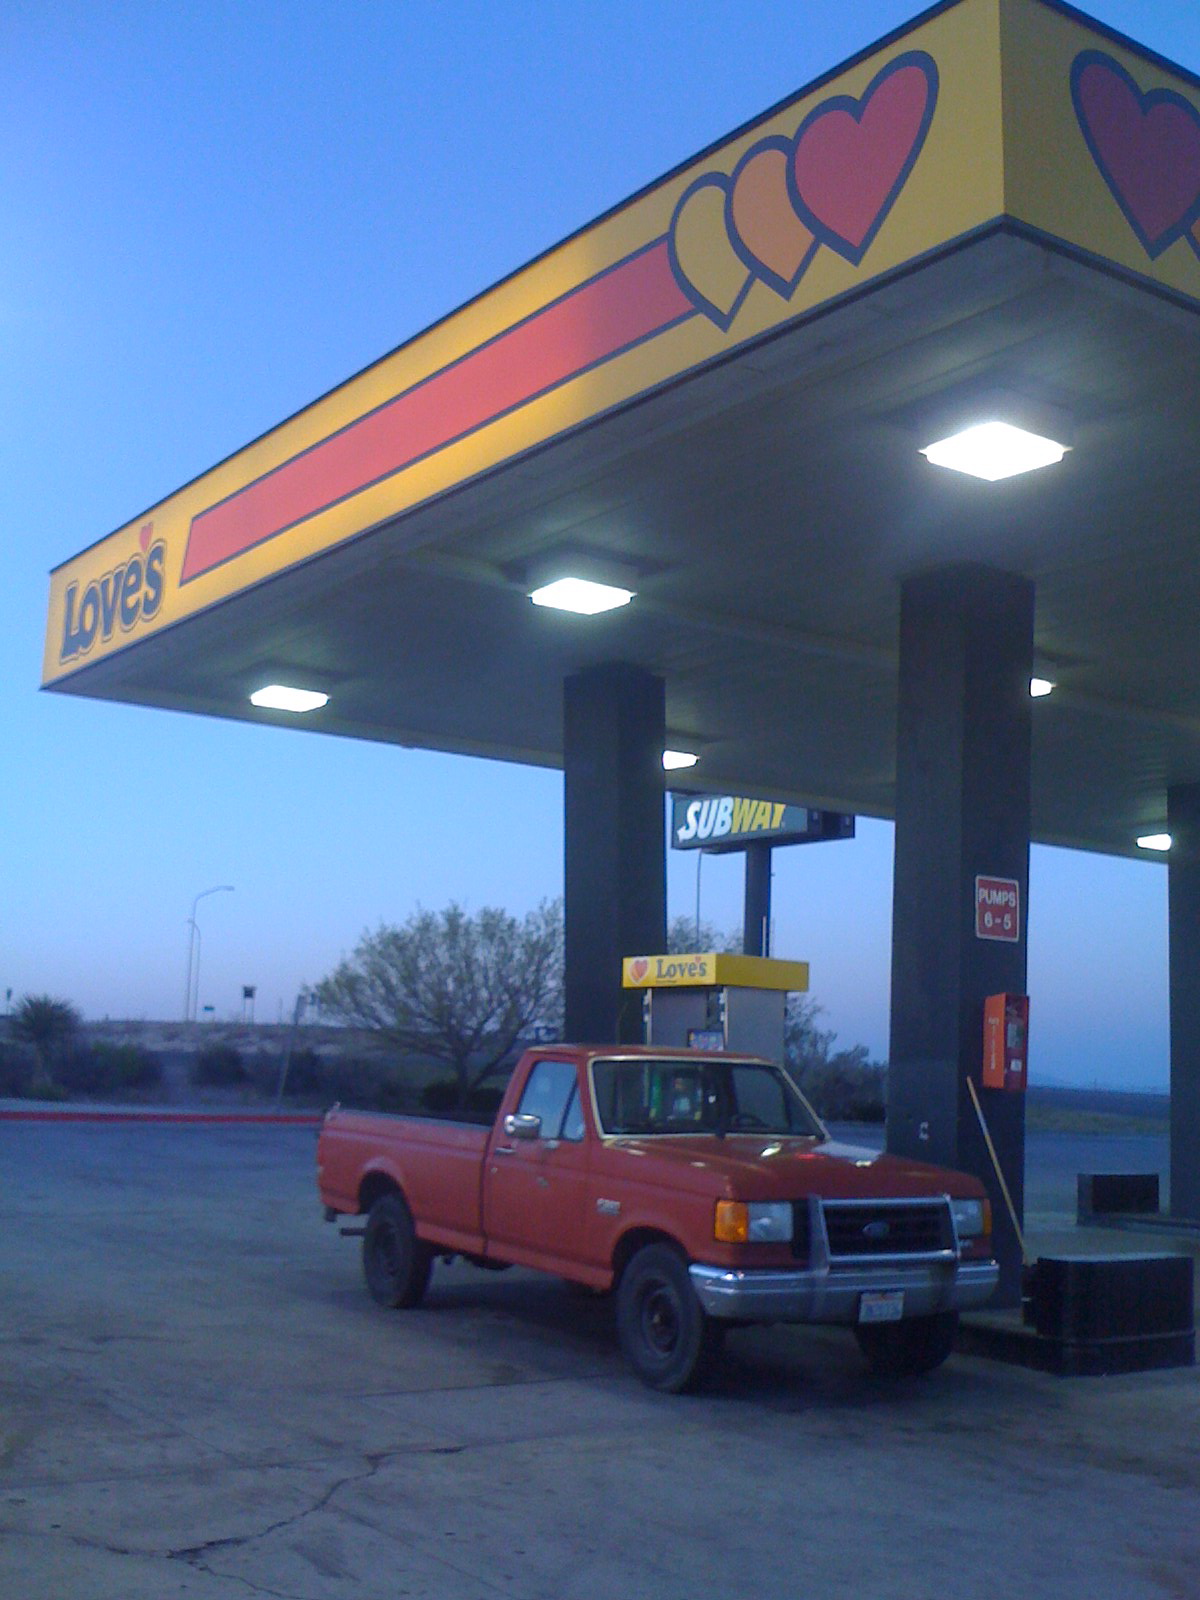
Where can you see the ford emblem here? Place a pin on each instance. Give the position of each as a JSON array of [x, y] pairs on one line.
[[876, 1230]]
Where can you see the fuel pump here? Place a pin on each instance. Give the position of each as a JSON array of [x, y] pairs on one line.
[[715, 1001]]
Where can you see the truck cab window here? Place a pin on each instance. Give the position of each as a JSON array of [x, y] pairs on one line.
[[644, 1095], [551, 1094]]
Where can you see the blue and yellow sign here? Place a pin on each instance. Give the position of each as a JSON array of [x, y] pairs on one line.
[[725, 822]]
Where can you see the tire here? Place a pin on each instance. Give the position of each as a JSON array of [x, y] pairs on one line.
[[665, 1335], [396, 1264], [910, 1348]]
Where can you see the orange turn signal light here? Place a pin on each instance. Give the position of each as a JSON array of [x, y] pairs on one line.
[[732, 1225]]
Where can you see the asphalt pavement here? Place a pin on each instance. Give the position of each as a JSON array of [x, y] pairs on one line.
[[198, 1398]]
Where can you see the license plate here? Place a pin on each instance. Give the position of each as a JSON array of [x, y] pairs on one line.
[[884, 1306]]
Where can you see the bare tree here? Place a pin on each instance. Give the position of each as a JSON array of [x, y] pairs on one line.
[[686, 936], [460, 988]]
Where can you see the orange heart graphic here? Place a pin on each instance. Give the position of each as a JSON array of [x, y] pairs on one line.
[[638, 969], [764, 228]]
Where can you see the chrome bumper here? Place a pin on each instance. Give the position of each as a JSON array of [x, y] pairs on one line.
[[831, 1293]]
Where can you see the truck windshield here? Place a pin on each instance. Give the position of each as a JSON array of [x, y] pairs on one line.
[[643, 1095]]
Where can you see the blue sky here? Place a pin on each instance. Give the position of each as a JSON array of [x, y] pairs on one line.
[[212, 213]]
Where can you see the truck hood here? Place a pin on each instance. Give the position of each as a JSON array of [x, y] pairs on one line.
[[759, 1167]]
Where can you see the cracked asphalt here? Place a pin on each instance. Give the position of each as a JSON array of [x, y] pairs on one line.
[[197, 1398]]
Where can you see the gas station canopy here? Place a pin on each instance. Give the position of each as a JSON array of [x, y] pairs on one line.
[[717, 396]]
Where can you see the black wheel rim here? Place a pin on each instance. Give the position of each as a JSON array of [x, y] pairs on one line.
[[660, 1319], [387, 1251]]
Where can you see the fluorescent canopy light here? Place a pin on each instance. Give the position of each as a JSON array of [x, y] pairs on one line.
[[581, 595], [282, 697], [672, 759], [1038, 687], [1154, 841], [994, 450]]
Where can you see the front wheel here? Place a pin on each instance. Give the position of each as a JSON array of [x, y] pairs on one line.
[[665, 1335], [396, 1264], [909, 1348]]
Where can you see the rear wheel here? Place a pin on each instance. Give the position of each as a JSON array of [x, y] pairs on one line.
[[907, 1349], [665, 1335], [396, 1264]]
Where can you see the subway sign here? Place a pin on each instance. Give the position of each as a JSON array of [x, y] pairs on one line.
[[724, 822]]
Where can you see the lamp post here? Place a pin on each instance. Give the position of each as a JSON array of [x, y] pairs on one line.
[[193, 954]]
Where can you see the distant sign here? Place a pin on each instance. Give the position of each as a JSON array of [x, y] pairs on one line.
[[721, 822], [998, 909]]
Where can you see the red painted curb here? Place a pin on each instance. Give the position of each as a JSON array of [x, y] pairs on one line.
[[294, 1119]]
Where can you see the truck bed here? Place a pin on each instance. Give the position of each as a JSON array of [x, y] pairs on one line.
[[436, 1162]]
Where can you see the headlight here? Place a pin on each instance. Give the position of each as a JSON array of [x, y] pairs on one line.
[[759, 1222], [971, 1217]]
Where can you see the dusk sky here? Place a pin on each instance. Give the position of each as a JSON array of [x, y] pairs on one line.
[[215, 211]]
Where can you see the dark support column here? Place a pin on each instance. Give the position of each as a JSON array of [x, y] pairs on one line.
[[756, 916], [962, 811], [614, 724], [1183, 889]]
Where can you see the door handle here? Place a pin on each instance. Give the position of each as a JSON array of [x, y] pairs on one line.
[[504, 1150]]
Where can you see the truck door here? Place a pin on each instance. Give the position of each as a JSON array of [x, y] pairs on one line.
[[535, 1196]]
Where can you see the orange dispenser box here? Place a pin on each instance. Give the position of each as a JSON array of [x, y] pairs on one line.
[[1005, 1041]]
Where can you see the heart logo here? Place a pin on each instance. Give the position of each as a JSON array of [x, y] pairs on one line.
[[853, 157], [708, 268], [145, 536], [766, 232], [638, 969], [1146, 147]]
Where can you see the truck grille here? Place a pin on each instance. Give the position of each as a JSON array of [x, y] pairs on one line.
[[865, 1228], [801, 1231]]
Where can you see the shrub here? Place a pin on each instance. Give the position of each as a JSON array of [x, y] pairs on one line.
[[485, 1100], [43, 1089], [440, 1096], [845, 1088], [308, 1074], [110, 1068], [16, 1070], [441, 1099], [219, 1066]]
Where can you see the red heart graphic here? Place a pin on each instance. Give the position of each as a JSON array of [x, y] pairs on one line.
[[853, 157], [764, 228], [638, 969], [1147, 147], [144, 536]]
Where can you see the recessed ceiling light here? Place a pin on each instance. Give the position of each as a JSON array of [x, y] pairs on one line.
[[673, 759], [994, 450], [282, 697], [581, 595], [1154, 841], [1038, 687]]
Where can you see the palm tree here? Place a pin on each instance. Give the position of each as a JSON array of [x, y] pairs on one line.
[[48, 1025]]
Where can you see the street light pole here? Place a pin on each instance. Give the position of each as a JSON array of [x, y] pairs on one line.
[[193, 956]]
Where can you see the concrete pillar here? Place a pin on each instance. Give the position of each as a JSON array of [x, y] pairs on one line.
[[1183, 920], [962, 812], [614, 724]]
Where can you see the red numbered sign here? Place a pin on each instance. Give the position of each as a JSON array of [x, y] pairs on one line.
[[998, 909]]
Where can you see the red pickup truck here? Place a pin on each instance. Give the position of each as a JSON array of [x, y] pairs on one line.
[[700, 1188]]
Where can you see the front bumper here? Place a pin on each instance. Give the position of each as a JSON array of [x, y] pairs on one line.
[[832, 1293]]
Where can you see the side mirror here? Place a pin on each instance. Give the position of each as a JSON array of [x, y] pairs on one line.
[[523, 1125]]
